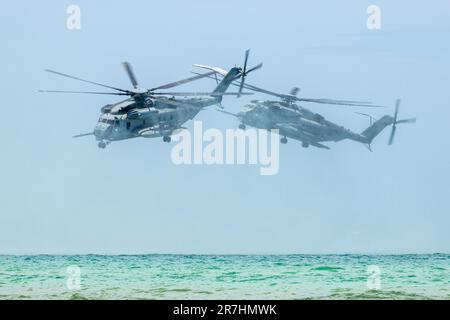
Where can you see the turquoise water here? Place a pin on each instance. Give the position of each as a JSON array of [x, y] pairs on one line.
[[226, 277]]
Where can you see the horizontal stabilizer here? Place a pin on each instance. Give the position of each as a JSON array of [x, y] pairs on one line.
[[218, 70]]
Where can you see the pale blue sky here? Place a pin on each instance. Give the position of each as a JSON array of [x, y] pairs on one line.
[[64, 195]]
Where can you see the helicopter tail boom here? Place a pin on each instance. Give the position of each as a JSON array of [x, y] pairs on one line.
[[371, 132], [375, 129], [226, 82]]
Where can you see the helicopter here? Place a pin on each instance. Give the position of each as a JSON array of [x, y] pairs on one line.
[[299, 123], [149, 113], [311, 128]]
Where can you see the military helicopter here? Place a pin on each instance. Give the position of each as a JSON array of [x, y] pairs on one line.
[[149, 113], [301, 124], [308, 127]]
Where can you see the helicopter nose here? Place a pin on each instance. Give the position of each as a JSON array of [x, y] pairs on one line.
[[101, 130], [98, 133]]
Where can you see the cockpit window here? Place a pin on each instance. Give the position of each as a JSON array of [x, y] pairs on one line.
[[108, 121]]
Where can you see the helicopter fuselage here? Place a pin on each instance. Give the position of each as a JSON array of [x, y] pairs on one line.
[[151, 118], [303, 125]]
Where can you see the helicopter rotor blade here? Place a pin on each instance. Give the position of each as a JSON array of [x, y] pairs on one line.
[[334, 100], [293, 97], [244, 72], [397, 107], [394, 123], [130, 73], [87, 81], [200, 93], [85, 92], [258, 66], [180, 82], [322, 101], [340, 102], [410, 120], [247, 52], [392, 136], [241, 86], [254, 88], [248, 86]]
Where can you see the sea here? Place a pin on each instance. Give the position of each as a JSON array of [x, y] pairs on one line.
[[161, 276]]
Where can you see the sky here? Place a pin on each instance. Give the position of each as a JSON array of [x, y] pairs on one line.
[[61, 195]]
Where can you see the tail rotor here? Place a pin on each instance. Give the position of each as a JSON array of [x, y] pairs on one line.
[[395, 122], [244, 72]]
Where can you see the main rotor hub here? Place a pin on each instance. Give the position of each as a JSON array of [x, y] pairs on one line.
[[138, 91]]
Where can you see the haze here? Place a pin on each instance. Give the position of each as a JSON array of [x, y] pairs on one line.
[[61, 195]]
